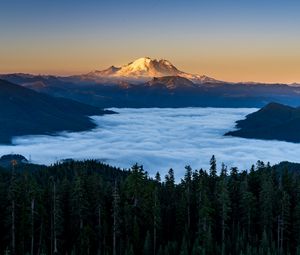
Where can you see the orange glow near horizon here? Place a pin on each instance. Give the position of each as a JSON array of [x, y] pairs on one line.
[[267, 69], [227, 40]]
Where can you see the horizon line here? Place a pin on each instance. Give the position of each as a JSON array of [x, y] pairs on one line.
[[70, 74]]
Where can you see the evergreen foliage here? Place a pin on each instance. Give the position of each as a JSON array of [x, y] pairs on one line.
[[92, 208]]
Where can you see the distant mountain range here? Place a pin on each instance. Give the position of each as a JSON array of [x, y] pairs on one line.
[[26, 112], [149, 82], [143, 69], [272, 122]]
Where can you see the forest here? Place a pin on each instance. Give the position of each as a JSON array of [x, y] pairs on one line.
[[90, 208]]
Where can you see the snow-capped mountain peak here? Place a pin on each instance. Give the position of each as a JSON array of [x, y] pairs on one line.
[[138, 66], [144, 69], [147, 67]]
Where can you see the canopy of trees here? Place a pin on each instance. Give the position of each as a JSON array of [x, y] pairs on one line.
[[92, 208]]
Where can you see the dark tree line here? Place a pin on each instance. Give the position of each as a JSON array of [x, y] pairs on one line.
[[92, 208]]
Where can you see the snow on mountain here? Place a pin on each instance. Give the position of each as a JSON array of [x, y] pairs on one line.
[[144, 69], [139, 71]]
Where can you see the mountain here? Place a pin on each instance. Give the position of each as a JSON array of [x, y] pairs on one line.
[[148, 82], [143, 69], [295, 84], [26, 112], [26, 79], [272, 122], [167, 91], [139, 71], [171, 82]]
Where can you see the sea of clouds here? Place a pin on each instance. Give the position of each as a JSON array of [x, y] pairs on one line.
[[158, 139]]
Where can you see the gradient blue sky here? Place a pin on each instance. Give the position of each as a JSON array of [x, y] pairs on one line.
[[229, 40]]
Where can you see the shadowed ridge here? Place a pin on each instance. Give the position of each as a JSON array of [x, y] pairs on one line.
[[272, 122], [26, 112]]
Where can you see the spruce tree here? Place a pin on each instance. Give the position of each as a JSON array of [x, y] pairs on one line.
[[147, 250], [224, 205]]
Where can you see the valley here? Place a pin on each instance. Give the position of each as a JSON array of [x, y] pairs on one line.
[[158, 139], [149, 127]]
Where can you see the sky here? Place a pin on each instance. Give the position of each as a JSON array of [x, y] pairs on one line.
[[228, 40]]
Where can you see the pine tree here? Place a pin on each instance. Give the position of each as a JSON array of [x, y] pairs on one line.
[[135, 200], [136, 235], [213, 167], [212, 195], [266, 203], [157, 177], [184, 247], [64, 221], [204, 208], [188, 187], [170, 179], [224, 203], [264, 246], [147, 250], [13, 189], [116, 202], [156, 213], [283, 222], [234, 188], [129, 250], [197, 249], [33, 195], [296, 216], [169, 206], [160, 250], [54, 217], [79, 211]]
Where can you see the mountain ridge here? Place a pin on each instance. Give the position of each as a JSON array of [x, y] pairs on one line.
[[26, 112], [272, 122], [171, 82], [107, 88], [143, 69]]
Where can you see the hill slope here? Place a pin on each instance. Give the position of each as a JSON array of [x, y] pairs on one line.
[[26, 112], [272, 122]]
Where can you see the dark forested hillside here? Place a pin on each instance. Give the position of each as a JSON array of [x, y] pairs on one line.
[[272, 122], [26, 112], [92, 208]]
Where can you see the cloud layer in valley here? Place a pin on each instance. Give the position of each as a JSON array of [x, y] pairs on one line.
[[159, 139]]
